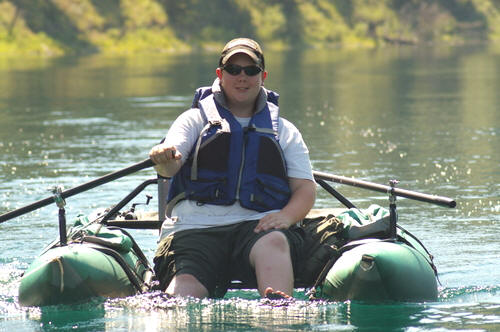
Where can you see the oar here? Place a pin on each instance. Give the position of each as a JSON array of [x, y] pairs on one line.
[[342, 199], [438, 200], [76, 190]]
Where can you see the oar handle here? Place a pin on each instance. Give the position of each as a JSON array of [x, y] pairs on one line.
[[78, 189], [438, 200]]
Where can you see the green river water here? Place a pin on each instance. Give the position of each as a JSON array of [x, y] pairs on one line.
[[429, 117]]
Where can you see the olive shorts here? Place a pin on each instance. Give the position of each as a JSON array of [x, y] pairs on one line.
[[217, 255]]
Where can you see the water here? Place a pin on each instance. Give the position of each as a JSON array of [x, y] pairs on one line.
[[428, 117]]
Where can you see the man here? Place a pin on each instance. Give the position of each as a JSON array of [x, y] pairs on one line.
[[241, 180]]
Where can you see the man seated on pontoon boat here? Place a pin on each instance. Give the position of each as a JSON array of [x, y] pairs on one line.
[[241, 180]]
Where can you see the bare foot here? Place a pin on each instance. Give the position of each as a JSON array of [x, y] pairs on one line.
[[271, 294]]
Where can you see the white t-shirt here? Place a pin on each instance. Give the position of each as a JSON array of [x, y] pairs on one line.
[[188, 214]]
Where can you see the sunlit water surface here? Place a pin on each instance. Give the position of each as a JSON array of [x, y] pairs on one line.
[[427, 117]]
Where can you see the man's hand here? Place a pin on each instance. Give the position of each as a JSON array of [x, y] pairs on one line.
[[166, 158], [276, 220], [301, 201], [162, 154]]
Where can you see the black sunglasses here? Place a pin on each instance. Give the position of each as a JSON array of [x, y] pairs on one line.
[[233, 69]]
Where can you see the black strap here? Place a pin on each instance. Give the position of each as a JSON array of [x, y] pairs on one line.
[[323, 273]]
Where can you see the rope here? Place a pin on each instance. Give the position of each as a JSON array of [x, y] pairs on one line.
[[61, 271]]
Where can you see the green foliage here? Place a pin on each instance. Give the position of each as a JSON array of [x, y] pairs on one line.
[[267, 19], [219, 20], [53, 27], [81, 13], [139, 14], [16, 38], [140, 40], [490, 12], [322, 22]]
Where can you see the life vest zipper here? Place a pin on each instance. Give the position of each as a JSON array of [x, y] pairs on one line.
[[240, 173]]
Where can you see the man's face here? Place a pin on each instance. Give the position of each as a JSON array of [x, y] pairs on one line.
[[241, 89]]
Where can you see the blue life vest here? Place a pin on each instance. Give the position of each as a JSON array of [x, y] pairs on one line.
[[230, 163]]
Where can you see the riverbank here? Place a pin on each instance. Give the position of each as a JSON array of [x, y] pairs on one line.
[[63, 27]]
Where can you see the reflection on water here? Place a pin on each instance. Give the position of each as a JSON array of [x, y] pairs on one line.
[[426, 116], [157, 312]]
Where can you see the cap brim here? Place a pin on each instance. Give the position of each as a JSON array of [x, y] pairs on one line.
[[251, 54]]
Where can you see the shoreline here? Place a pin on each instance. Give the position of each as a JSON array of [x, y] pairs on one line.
[[44, 49], [40, 28]]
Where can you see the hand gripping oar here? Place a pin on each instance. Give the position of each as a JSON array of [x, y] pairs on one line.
[[438, 200], [78, 189]]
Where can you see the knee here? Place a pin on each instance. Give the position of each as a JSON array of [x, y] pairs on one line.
[[186, 285], [275, 241]]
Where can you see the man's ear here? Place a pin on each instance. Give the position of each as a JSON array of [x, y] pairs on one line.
[[218, 72]]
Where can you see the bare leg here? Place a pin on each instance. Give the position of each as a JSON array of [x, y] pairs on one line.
[[270, 257], [186, 285]]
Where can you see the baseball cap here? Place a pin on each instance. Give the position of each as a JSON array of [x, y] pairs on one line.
[[242, 45]]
